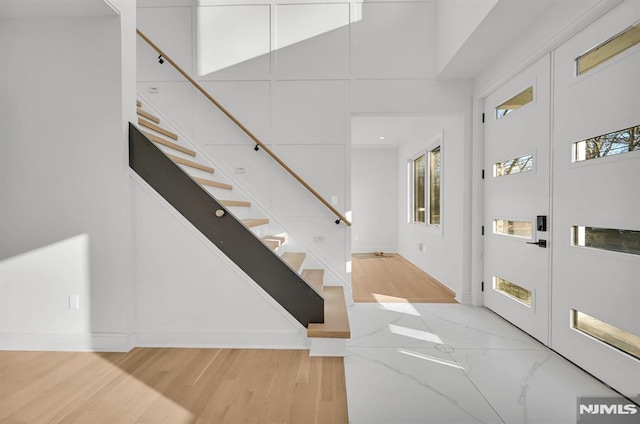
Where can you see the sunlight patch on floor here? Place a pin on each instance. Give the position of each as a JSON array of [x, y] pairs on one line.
[[430, 358], [395, 304], [415, 334]]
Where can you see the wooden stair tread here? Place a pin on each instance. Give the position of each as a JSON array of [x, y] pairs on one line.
[[168, 143], [315, 277], [294, 259], [149, 116], [336, 318], [212, 183], [192, 164], [279, 239], [234, 203], [138, 103], [273, 245], [255, 222], [157, 129]]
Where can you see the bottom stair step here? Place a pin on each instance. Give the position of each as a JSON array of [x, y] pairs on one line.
[[336, 319]]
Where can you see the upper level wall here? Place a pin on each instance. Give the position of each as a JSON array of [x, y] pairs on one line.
[[455, 22]]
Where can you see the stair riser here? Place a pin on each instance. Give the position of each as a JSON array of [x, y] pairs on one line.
[[328, 347]]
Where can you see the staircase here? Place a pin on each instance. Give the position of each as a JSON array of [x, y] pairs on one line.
[[172, 169]]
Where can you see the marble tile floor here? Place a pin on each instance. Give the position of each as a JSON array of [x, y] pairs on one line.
[[449, 363]]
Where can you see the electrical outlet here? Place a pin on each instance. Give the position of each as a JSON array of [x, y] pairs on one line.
[[74, 302], [318, 239], [356, 237], [153, 90], [334, 200], [421, 247]]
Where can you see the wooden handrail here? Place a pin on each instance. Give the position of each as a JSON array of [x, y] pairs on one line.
[[244, 129]]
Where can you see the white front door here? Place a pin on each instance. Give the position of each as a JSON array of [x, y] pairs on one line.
[[516, 272], [596, 203]]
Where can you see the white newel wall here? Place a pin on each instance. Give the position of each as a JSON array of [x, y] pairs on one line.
[[66, 225]]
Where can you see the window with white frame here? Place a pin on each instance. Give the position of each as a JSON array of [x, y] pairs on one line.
[[425, 180]]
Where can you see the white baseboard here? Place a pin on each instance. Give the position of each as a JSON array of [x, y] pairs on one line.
[[225, 339], [92, 342], [464, 298], [107, 342]]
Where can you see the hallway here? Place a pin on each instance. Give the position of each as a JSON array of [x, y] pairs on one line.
[[389, 277], [445, 363]]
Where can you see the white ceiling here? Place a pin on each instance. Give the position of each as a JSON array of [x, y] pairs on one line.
[[54, 8]]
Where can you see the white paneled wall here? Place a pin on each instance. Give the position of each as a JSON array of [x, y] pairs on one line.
[[311, 111], [393, 40], [171, 28], [231, 35], [294, 73], [312, 40]]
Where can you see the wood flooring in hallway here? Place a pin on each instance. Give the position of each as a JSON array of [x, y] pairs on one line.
[[173, 386], [392, 278]]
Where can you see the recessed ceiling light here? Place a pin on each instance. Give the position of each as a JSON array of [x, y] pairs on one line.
[[381, 138]]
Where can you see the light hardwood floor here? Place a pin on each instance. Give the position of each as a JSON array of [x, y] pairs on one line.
[[173, 386], [392, 278]]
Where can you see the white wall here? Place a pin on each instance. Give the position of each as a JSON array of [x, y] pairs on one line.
[[374, 188], [444, 252], [292, 75], [65, 185], [190, 295], [455, 22]]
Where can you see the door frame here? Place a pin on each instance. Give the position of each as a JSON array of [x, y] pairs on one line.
[[516, 66]]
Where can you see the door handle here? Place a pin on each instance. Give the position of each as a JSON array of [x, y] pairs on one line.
[[539, 243]]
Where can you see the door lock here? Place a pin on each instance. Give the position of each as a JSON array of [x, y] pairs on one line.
[[539, 243]]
